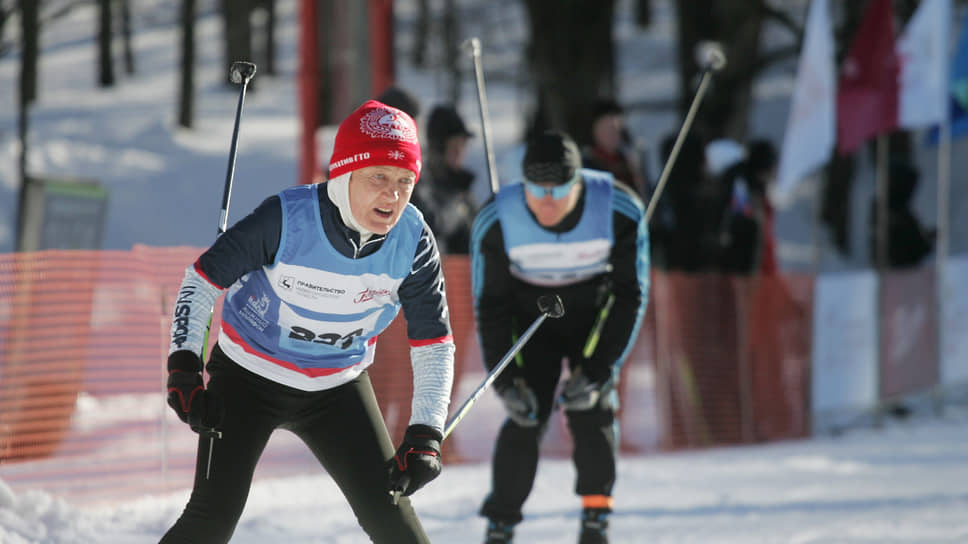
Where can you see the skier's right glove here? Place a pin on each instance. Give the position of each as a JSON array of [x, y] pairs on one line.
[[187, 395], [520, 402], [417, 460]]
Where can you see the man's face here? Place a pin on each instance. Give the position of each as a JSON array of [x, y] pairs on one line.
[[454, 150], [607, 132], [549, 210], [378, 196]]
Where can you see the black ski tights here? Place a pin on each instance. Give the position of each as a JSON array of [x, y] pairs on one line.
[[342, 426]]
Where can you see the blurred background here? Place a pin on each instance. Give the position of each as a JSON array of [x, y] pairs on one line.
[[806, 251]]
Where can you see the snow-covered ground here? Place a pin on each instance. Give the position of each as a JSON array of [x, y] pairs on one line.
[[906, 483]]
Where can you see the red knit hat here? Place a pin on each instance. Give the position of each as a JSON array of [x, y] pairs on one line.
[[375, 135]]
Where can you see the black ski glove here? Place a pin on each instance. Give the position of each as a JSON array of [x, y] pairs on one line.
[[187, 395], [520, 403], [417, 460], [581, 393]]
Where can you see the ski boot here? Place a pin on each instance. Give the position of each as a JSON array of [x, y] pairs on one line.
[[498, 532], [594, 526]]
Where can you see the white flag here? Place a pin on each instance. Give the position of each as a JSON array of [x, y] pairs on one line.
[[923, 50], [812, 126]]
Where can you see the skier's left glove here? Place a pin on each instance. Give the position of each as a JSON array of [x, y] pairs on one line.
[[582, 393], [187, 395], [417, 460]]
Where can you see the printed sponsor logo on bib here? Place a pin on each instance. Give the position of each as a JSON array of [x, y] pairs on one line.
[[370, 294]]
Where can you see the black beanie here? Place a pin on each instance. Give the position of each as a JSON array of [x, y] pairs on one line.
[[444, 122], [551, 157]]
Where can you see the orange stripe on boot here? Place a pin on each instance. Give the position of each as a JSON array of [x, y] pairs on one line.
[[596, 501]]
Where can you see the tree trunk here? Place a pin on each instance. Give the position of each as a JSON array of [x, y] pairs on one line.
[[643, 13], [126, 36], [238, 34], [449, 38], [572, 62], [30, 36], [105, 59], [186, 98], [270, 35], [418, 55]]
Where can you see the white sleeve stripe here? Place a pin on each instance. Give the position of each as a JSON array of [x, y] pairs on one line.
[[193, 308], [433, 377]]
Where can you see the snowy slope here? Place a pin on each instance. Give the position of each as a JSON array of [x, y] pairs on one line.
[[905, 484]]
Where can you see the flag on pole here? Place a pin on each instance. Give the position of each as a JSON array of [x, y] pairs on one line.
[[959, 68], [958, 84], [956, 99], [808, 141], [923, 53], [868, 90]]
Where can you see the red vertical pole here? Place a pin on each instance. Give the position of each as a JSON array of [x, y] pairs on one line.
[[308, 95], [381, 53]]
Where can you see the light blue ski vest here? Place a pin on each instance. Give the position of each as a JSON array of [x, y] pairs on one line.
[[541, 257], [312, 317]]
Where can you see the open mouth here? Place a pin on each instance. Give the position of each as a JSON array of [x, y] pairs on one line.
[[383, 212]]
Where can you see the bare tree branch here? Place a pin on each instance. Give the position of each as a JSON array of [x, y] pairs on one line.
[[783, 19]]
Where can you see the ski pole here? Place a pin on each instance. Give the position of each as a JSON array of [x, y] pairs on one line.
[[711, 58], [240, 72], [549, 306], [473, 46]]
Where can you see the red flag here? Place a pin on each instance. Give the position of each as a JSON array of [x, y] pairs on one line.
[[867, 98]]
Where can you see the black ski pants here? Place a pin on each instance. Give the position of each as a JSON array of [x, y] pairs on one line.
[[594, 434], [342, 426]]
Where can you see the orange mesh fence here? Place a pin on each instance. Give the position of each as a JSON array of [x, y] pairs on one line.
[[75, 325], [731, 357], [83, 339], [778, 351]]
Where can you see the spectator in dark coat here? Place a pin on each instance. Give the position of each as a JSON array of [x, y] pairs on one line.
[[747, 244], [908, 241], [611, 148], [684, 229], [444, 194]]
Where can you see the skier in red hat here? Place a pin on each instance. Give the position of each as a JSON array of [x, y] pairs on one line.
[[311, 277]]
